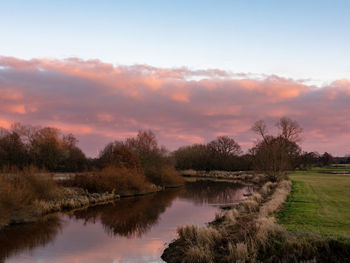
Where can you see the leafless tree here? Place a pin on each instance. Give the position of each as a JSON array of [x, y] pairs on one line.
[[260, 128], [274, 155], [289, 129]]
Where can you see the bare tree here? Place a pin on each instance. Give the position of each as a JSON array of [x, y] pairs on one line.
[[289, 129], [275, 155], [260, 128]]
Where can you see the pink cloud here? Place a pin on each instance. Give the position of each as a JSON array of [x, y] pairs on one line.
[[100, 102], [5, 124], [20, 109], [71, 128], [180, 97]]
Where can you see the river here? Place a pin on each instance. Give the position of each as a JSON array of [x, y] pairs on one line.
[[130, 230]]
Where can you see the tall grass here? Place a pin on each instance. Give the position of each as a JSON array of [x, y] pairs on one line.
[[277, 199], [199, 243]]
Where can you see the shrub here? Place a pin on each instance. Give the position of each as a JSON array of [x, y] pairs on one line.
[[41, 185], [117, 179], [118, 154], [19, 192], [168, 176]]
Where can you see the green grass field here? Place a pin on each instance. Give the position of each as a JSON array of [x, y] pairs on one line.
[[343, 168], [319, 203]]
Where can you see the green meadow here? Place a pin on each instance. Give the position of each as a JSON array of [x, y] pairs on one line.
[[319, 203]]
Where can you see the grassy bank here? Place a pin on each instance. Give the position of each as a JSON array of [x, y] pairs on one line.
[[237, 235], [250, 233], [319, 203]]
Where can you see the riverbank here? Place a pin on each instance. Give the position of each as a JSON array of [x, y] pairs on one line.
[[240, 177], [27, 196], [72, 198], [103, 232], [249, 233]]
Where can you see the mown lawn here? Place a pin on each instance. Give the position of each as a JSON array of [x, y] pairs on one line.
[[319, 203]]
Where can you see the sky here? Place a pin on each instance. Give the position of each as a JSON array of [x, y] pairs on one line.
[[188, 70]]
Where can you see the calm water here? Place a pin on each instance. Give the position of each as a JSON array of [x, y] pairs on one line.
[[131, 230]]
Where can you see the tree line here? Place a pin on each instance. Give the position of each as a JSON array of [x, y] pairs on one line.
[[272, 154], [48, 148]]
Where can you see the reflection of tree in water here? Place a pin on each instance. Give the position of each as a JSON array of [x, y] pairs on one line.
[[214, 192], [130, 217], [18, 238]]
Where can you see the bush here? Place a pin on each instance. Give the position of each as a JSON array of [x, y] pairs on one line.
[[109, 179], [164, 175], [20, 190], [118, 154]]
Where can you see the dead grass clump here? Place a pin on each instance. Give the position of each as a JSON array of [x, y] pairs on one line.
[[277, 199], [241, 252], [198, 254], [201, 236], [199, 243], [264, 228], [231, 216], [237, 252], [231, 256], [267, 188], [249, 205], [257, 197], [258, 178]]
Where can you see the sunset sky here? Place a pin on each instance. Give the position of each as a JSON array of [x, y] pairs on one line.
[[188, 70]]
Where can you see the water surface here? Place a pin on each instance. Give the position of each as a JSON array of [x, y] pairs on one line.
[[130, 230]]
